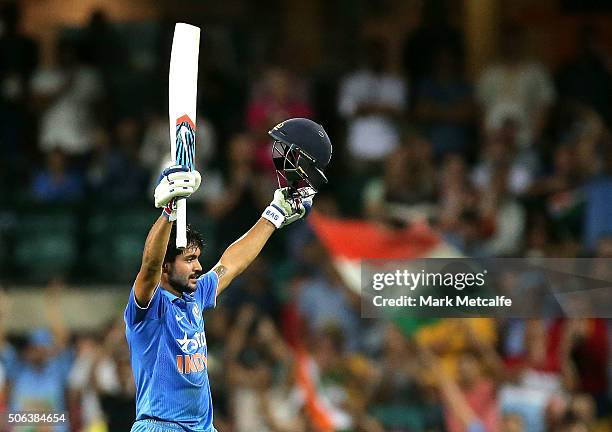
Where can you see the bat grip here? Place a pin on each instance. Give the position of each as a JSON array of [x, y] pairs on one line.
[[181, 223]]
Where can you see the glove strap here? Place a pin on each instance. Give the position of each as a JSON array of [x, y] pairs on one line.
[[169, 212], [274, 214]]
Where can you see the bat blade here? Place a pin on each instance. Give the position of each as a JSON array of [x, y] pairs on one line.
[[182, 105]]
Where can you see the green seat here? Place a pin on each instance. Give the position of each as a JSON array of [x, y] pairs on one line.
[[45, 243], [401, 417], [115, 242], [127, 254], [349, 194], [98, 251]]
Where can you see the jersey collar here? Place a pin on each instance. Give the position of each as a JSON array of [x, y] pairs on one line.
[[186, 297]]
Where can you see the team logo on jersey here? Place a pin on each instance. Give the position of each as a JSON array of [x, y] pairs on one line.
[[192, 361], [191, 345]]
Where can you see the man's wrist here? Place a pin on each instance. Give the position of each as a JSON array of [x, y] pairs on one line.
[[274, 215], [169, 212], [269, 223]]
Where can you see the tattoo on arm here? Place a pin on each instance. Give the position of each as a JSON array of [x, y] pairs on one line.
[[220, 270]]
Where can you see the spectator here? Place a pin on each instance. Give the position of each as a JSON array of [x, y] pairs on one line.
[[455, 195], [105, 164], [564, 177], [435, 32], [253, 287], [8, 354], [597, 190], [535, 379], [584, 345], [254, 350], [84, 410], [512, 422], [444, 105], [573, 425], [406, 189], [18, 55], [3, 389], [127, 139], [401, 399], [502, 216], [502, 147], [107, 377], [19, 58], [516, 85], [236, 204], [39, 384], [470, 403], [583, 408], [324, 301], [371, 100], [101, 46], [277, 99], [539, 240], [67, 95], [451, 338], [57, 182], [587, 78], [116, 391], [323, 369]]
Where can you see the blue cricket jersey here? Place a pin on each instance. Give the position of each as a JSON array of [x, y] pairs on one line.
[[169, 357]]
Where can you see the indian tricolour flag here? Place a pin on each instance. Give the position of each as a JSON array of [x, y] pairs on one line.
[[351, 241]]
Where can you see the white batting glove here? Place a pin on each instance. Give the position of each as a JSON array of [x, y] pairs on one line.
[[284, 210], [175, 182]]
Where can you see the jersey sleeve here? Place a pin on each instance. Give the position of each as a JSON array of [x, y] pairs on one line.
[[206, 292], [135, 313]]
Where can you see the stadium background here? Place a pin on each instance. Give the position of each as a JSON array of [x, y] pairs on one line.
[[484, 122]]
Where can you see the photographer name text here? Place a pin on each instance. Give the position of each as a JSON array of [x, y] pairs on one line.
[[446, 301]]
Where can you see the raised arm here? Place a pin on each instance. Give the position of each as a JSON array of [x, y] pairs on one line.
[[152, 259], [242, 252], [174, 182], [55, 319], [237, 257]]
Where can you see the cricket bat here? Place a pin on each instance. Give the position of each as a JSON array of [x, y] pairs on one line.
[[182, 103]]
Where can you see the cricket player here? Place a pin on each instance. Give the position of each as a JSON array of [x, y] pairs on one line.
[[163, 317]]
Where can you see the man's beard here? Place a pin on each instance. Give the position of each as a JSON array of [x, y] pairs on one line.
[[181, 284]]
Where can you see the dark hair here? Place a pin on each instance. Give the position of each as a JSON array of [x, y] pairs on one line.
[[194, 240]]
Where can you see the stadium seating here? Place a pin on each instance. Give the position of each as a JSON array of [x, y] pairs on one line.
[[115, 242], [44, 241]]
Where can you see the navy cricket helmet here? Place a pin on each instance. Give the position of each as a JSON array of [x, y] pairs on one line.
[[301, 151]]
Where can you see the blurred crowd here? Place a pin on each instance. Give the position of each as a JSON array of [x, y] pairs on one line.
[[516, 161], [309, 363]]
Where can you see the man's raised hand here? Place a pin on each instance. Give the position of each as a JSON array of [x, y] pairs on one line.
[[284, 210], [175, 182]]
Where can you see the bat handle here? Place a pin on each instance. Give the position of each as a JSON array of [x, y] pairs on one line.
[[294, 196], [181, 223]]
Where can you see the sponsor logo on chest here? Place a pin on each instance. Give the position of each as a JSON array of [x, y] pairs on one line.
[[193, 360]]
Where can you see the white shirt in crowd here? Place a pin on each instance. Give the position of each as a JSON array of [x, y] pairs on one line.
[[517, 91], [69, 122], [371, 137]]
